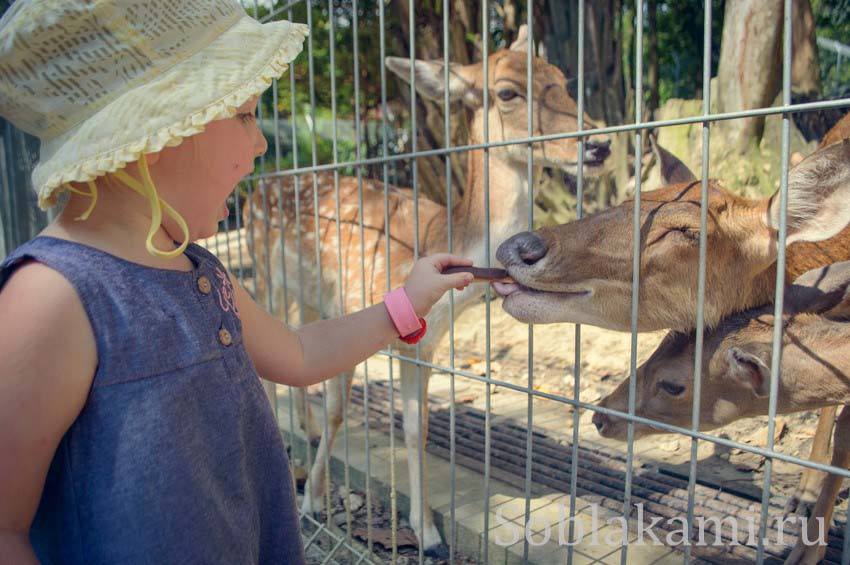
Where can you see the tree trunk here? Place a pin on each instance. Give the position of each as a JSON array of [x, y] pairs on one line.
[[805, 67], [749, 74], [652, 75], [464, 20], [749, 70]]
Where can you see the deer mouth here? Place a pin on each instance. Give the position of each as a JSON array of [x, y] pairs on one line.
[[594, 163], [506, 290], [591, 167]]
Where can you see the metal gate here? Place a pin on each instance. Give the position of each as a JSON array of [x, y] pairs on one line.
[[502, 448]]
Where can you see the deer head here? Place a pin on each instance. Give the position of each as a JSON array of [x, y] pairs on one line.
[[553, 109], [582, 271], [737, 356]]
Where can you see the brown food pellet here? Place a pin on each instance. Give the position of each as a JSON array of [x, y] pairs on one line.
[[481, 274]]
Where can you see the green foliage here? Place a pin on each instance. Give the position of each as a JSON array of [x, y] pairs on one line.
[[367, 90], [680, 46], [832, 19]]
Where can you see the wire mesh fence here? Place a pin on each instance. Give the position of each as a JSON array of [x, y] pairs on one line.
[[334, 178], [327, 226]]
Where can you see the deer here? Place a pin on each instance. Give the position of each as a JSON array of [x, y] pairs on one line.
[[737, 360], [554, 111], [581, 271]]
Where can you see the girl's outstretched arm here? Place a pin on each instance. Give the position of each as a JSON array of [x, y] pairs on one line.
[[326, 348]]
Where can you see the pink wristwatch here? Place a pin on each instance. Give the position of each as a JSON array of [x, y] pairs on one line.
[[410, 327]]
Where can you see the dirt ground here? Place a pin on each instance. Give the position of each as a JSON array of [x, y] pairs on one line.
[[604, 363]]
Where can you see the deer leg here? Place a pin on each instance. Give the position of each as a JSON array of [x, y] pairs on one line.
[[307, 421], [307, 417], [338, 391], [806, 493], [811, 547], [271, 392], [415, 433], [276, 308]]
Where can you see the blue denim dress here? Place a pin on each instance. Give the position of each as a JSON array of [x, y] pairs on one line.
[[176, 456]]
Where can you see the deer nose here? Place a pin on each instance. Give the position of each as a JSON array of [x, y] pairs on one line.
[[599, 420], [599, 148], [525, 248]]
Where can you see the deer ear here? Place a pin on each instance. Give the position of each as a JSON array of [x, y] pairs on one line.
[[818, 190], [750, 369], [819, 290], [672, 169], [521, 41], [429, 77]]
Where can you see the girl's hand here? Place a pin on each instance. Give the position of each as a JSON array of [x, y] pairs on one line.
[[426, 284]]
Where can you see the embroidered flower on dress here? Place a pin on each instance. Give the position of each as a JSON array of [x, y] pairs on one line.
[[225, 292]]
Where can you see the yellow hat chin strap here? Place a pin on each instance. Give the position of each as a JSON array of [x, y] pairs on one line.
[[92, 193], [147, 189]]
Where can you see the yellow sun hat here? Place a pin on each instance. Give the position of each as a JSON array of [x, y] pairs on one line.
[[103, 82]]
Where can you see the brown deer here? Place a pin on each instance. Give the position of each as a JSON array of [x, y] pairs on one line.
[[581, 272], [554, 111], [737, 355]]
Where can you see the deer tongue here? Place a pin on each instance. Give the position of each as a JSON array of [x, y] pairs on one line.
[[506, 289]]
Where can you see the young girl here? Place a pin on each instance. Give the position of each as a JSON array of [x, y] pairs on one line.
[[133, 426]]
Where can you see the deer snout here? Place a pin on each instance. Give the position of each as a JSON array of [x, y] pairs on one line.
[[525, 248], [600, 420], [598, 148]]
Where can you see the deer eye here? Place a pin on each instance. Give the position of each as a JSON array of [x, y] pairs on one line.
[[507, 94], [683, 234], [672, 388]]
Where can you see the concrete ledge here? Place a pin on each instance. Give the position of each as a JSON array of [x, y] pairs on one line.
[[507, 503]]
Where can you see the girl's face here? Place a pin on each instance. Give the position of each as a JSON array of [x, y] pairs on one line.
[[201, 172]]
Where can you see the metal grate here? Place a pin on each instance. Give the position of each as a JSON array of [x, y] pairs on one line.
[[466, 436], [576, 468]]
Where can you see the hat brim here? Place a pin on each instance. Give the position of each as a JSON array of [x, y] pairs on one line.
[[211, 84]]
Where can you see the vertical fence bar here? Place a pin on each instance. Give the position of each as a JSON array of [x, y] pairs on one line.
[[269, 293], [300, 248], [227, 240], [296, 187], [529, 126], [420, 392], [326, 429], [281, 241], [450, 247], [703, 250], [627, 495], [485, 43], [317, 239], [341, 381], [845, 546], [363, 303], [385, 170], [780, 278], [277, 155], [239, 235], [579, 213]]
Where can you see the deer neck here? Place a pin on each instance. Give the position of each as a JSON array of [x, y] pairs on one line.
[[815, 365], [508, 211]]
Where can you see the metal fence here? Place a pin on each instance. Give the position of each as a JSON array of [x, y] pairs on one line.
[[242, 263], [638, 129]]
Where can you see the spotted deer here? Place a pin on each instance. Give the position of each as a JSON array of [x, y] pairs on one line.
[[581, 271], [737, 357], [554, 112]]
